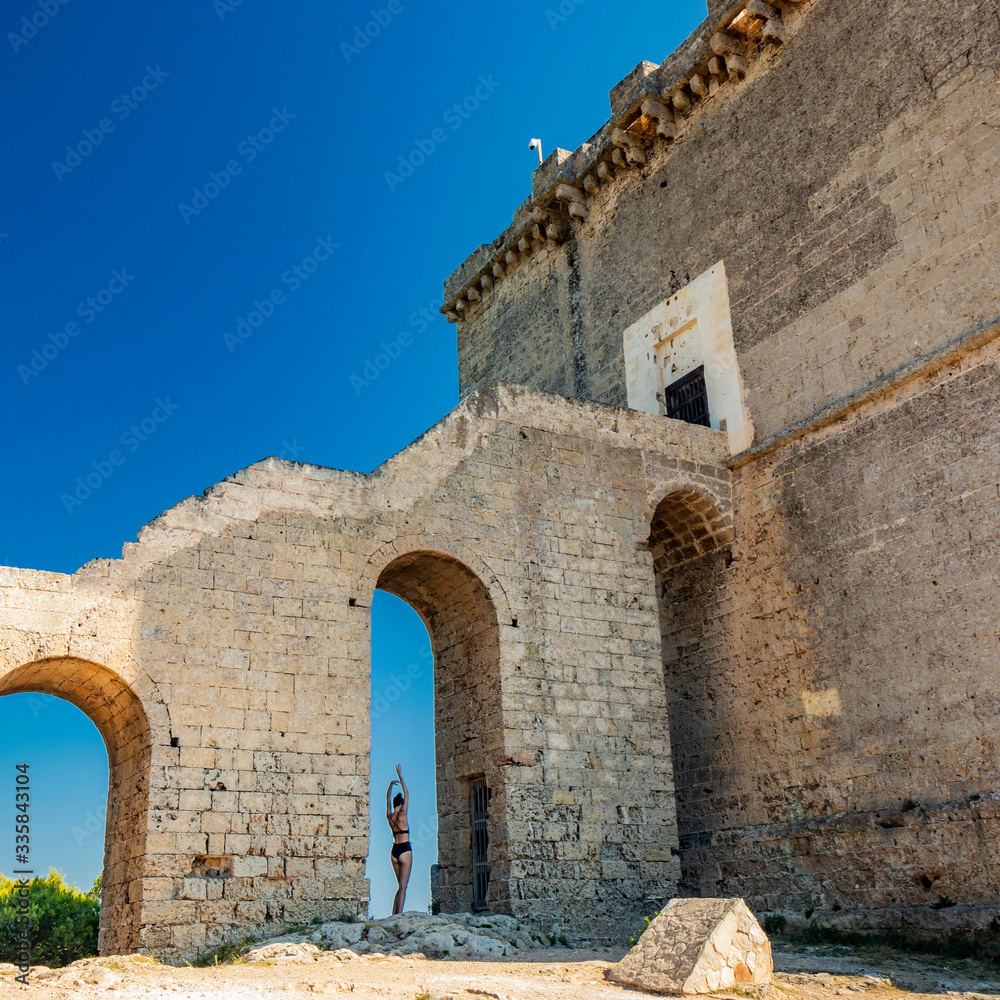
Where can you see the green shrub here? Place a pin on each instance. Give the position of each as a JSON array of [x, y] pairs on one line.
[[633, 941], [63, 920]]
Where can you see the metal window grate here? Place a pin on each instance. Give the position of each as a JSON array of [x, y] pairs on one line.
[[480, 841], [687, 398]]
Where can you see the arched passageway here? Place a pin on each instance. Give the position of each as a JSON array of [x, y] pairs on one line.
[[462, 623], [121, 720], [690, 543]]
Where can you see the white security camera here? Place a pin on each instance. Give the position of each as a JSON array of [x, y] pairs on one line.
[[536, 144]]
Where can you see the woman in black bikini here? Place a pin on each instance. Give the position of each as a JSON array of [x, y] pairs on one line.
[[402, 853]]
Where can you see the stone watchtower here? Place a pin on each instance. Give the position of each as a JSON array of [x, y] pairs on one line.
[[705, 552], [787, 231]]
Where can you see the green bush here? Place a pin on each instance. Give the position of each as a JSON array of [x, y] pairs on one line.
[[63, 920]]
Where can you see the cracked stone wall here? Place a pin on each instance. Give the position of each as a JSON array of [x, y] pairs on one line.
[[226, 659], [831, 673]]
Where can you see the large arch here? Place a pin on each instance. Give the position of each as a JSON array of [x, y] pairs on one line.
[[690, 541], [461, 619], [118, 713]]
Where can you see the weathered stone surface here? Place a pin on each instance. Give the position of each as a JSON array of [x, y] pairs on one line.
[[283, 953], [457, 935], [225, 659], [821, 669], [338, 934], [698, 946], [768, 675]]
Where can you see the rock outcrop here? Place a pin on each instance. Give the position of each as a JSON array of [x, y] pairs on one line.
[[452, 935]]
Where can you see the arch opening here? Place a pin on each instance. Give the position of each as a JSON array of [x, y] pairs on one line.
[[690, 543], [461, 621], [119, 716]]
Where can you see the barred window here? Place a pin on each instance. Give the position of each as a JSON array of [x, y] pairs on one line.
[[687, 398]]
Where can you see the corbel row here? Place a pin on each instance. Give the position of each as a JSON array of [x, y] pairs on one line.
[[661, 116]]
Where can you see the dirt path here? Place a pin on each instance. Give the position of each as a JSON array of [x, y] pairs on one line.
[[552, 974]]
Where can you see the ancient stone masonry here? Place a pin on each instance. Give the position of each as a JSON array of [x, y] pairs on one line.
[[650, 108], [225, 658], [754, 655], [831, 667]]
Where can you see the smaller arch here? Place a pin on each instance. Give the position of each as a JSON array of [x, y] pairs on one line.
[[686, 524], [689, 539], [446, 548], [120, 717], [456, 605]]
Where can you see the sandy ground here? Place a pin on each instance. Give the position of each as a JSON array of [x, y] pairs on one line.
[[553, 974]]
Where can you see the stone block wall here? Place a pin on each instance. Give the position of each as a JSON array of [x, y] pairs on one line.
[[226, 659], [831, 671]]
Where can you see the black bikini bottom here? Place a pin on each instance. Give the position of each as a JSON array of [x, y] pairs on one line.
[[398, 849]]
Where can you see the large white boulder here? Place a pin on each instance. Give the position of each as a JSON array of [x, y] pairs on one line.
[[698, 946]]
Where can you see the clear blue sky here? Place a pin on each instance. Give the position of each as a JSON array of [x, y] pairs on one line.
[[213, 147]]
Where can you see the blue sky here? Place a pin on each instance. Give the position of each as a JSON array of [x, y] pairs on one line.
[[206, 236]]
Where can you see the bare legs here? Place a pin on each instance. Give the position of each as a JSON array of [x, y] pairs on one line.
[[401, 867]]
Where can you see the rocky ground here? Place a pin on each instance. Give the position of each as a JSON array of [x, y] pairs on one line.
[[469, 958]]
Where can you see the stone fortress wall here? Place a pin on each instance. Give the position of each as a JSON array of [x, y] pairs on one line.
[[226, 660], [757, 658], [832, 675]]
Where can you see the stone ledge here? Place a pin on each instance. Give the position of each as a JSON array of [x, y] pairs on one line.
[[649, 110]]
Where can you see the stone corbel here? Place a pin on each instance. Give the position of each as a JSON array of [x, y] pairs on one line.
[[555, 228], [473, 294], [774, 29], [733, 50], [487, 282], [451, 317], [681, 101], [698, 85], [511, 258], [605, 172], [631, 145], [591, 185], [663, 116], [549, 225], [576, 200], [498, 270], [717, 73]]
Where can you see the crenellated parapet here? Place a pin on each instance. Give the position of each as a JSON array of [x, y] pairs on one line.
[[650, 111]]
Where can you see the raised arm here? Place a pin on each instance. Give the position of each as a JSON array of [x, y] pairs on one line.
[[388, 801], [406, 793]]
